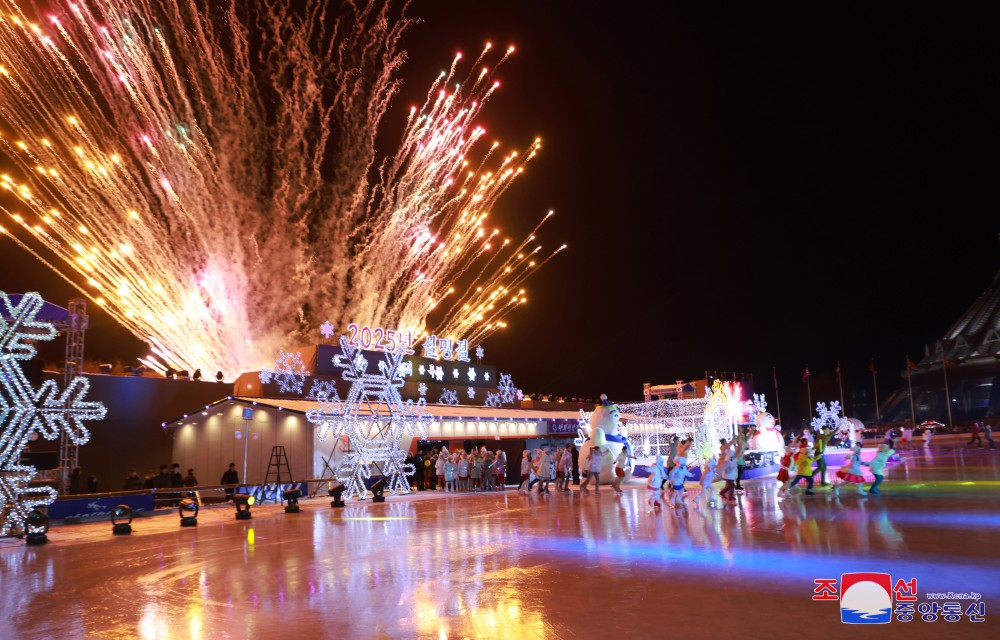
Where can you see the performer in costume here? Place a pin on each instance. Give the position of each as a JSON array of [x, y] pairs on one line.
[[729, 475], [851, 472], [707, 477], [803, 466], [785, 473], [877, 465], [677, 477], [820, 448], [655, 481]]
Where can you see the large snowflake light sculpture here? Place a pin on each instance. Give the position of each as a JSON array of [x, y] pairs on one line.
[[827, 417], [374, 418], [24, 411], [289, 372], [448, 396]]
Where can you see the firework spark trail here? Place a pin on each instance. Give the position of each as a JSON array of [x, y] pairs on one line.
[[171, 156]]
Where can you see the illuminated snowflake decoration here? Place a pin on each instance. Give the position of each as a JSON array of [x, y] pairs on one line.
[[472, 393], [439, 374], [422, 389], [322, 389], [486, 376], [759, 403], [492, 399], [828, 417], [374, 418], [472, 374], [506, 388], [480, 353], [326, 329], [448, 396], [25, 411], [289, 372]]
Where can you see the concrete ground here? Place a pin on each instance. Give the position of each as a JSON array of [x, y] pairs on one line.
[[502, 565]]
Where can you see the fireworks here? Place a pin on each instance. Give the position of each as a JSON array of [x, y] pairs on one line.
[[173, 161]]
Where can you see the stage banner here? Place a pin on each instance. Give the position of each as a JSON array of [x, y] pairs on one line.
[[71, 507]]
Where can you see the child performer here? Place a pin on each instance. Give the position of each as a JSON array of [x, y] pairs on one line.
[[523, 488], [463, 471], [928, 433], [785, 473], [729, 475], [851, 472], [804, 469], [620, 461], [821, 441], [707, 477], [654, 482], [677, 477], [877, 465], [449, 474], [567, 467]]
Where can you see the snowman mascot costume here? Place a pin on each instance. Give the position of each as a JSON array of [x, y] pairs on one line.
[[605, 431]]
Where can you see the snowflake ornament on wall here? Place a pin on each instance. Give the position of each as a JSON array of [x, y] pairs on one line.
[[326, 329], [480, 353], [289, 372], [506, 388], [492, 399], [422, 389], [322, 389], [374, 418], [25, 412], [472, 393], [448, 396]]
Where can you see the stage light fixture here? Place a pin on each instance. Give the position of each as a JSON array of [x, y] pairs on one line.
[[292, 496], [243, 503], [169, 373], [105, 369], [336, 491], [218, 376], [36, 525], [188, 511], [183, 374], [121, 520], [197, 374], [138, 371]]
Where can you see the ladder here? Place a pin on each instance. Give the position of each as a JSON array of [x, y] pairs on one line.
[[279, 468]]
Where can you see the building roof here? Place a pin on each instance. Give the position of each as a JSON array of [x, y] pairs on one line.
[[437, 411], [976, 334]]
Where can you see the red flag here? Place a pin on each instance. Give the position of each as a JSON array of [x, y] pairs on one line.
[[805, 374], [871, 366], [947, 362], [910, 364]]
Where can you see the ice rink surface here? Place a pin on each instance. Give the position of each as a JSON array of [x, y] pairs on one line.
[[503, 565]]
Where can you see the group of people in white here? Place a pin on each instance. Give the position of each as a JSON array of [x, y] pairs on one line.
[[476, 470]]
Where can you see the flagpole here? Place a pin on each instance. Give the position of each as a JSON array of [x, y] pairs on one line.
[[947, 394], [777, 398], [909, 386], [878, 416], [840, 381], [809, 396]]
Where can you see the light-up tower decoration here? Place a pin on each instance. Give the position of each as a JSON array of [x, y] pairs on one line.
[[25, 411], [374, 418]]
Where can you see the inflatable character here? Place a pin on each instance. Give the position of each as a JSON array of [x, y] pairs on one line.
[[849, 431], [768, 434], [605, 431]]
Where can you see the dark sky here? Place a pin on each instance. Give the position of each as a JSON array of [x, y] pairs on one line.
[[741, 187]]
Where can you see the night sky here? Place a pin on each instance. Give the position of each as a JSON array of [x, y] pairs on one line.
[[740, 187]]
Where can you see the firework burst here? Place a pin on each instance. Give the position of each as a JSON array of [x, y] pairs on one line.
[[173, 160]]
